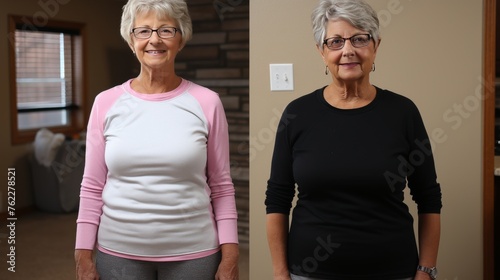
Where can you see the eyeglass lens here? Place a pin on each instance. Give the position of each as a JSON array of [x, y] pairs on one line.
[[163, 32], [357, 41]]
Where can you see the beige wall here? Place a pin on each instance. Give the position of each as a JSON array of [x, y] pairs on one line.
[[431, 51], [105, 47]]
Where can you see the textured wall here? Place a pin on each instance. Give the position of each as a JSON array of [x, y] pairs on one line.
[[218, 57]]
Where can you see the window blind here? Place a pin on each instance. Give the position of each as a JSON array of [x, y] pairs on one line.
[[43, 70]]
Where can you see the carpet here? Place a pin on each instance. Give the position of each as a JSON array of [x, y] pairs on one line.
[[44, 247]]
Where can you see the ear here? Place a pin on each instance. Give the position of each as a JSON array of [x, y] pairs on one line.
[[375, 50], [131, 46], [321, 51], [377, 45]]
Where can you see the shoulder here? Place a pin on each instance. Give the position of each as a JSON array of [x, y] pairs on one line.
[[400, 107], [305, 101], [201, 93], [110, 95], [393, 97], [207, 100]]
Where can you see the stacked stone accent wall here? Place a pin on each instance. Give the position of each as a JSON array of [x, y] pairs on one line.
[[218, 58]]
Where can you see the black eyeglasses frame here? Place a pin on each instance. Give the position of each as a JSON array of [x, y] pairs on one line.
[[370, 37]]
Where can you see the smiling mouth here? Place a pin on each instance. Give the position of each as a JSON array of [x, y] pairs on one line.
[[155, 52], [352, 65], [349, 64]]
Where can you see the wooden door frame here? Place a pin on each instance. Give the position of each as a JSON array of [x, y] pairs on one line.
[[489, 75]]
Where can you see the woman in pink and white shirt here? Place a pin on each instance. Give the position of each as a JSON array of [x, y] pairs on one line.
[[157, 199]]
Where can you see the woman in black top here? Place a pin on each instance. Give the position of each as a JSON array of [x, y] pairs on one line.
[[351, 148]]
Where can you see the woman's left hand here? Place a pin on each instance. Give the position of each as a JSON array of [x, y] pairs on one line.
[[422, 276], [228, 267]]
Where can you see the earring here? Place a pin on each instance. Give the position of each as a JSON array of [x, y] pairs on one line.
[[326, 70], [373, 67]]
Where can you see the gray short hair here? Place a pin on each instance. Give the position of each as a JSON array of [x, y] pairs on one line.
[[174, 9], [356, 12]]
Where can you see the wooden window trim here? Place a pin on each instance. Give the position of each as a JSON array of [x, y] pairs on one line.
[[488, 138], [79, 113]]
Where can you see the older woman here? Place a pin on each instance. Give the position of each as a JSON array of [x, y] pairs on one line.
[[350, 147], [157, 199]]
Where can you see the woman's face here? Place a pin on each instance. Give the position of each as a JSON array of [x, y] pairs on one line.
[[156, 52], [348, 64]]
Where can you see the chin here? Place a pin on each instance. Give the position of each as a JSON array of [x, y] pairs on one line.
[[157, 65], [350, 78]]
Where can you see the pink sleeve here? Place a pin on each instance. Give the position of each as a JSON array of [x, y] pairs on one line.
[[218, 169], [94, 176]]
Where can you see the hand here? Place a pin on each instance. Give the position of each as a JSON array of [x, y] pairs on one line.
[[85, 266], [281, 273], [228, 270], [282, 277], [228, 267], [420, 275]]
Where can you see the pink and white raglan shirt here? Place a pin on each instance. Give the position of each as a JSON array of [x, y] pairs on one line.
[[157, 184]]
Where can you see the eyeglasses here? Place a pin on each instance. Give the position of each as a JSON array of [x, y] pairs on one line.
[[357, 41], [146, 32]]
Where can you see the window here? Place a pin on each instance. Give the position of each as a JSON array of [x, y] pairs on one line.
[[47, 77]]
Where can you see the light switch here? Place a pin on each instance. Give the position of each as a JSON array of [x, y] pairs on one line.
[[281, 76]]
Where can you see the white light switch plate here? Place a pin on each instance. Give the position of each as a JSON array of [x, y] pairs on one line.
[[281, 76]]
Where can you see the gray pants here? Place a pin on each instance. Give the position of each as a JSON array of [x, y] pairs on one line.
[[296, 277], [115, 268]]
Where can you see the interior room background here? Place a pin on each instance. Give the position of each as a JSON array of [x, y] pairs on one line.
[[217, 58], [431, 52]]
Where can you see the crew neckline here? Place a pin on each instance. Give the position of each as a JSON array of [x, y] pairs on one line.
[[183, 86], [367, 107]]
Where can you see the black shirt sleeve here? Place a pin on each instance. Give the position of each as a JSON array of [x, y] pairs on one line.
[[281, 185]]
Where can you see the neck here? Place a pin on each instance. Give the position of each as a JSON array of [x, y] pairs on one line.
[[349, 95], [156, 81], [351, 90]]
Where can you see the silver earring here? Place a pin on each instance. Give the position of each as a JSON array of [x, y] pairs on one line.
[[326, 70], [373, 67]]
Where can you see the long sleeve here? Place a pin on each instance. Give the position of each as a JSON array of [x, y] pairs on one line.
[[281, 184], [93, 181], [218, 167], [422, 178]]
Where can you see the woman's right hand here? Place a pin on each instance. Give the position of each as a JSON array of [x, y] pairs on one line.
[[277, 237], [281, 274], [282, 277], [85, 266]]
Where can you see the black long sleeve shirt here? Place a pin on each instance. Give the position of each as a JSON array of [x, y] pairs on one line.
[[350, 168]]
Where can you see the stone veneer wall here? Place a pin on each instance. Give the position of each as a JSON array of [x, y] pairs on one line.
[[218, 58]]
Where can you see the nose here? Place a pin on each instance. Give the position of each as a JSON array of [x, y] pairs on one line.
[[155, 38], [348, 49]]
